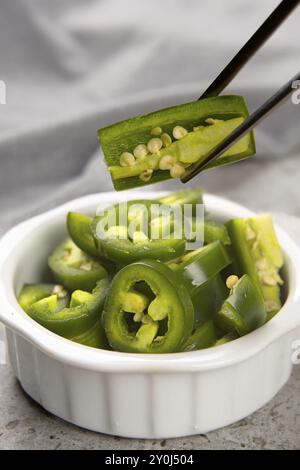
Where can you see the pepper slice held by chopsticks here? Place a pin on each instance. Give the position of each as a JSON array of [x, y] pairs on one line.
[[161, 145]]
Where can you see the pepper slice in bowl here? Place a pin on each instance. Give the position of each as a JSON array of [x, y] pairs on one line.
[[160, 145], [187, 196], [257, 253], [79, 228], [119, 245], [226, 338], [134, 322], [203, 337], [80, 321], [244, 310], [215, 231], [31, 293], [75, 269], [198, 266], [174, 299], [200, 271]]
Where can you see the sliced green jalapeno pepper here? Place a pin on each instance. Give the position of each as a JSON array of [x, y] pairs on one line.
[[208, 299], [211, 231], [226, 338], [79, 322], [200, 265], [79, 225], [203, 337], [135, 323], [122, 247], [94, 337], [160, 145], [79, 228], [121, 215], [215, 231], [73, 268], [244, 310], [258, 253], [188, 196], [200, 270], [31, 293]]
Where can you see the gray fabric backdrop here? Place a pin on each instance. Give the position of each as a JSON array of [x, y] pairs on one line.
[[73, 66]]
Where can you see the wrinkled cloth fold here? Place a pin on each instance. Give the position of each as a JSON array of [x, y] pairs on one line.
[[71, 67]]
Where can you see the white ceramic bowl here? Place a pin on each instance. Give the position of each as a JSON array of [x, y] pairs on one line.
[[131, 395]]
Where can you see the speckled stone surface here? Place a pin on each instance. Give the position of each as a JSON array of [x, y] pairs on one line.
[[25, 425]]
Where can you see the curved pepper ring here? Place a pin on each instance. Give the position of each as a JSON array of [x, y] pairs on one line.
[[117, 246], [157, 324], [80, 321]]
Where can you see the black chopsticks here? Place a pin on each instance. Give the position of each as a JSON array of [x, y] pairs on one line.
[[229, 73], [261, 113], [251, 47]]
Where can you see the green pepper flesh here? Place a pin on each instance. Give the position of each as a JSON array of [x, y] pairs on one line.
[[74, 269], [76, 322], [228, 111], [244, 310], [257, 252], [171, 303]]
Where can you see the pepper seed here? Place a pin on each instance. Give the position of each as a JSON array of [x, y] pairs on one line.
[[211, 121], [166, 139], [156, 131], [60, 291], [269, 280], [166, 162], [146, 175], [140, 151], [179, 132], [177, 171], [154, 145], [231, 281], [138, 316], [127, 159]]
